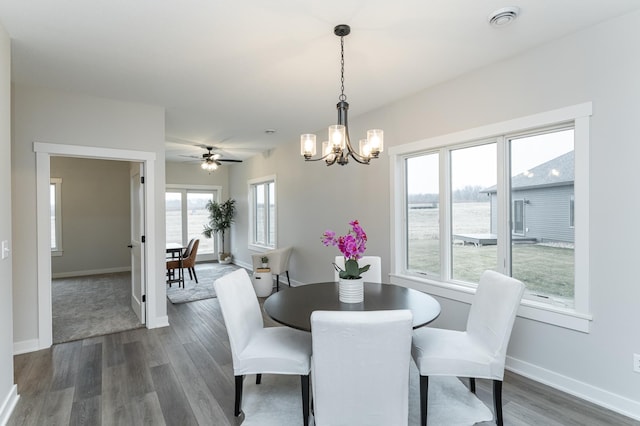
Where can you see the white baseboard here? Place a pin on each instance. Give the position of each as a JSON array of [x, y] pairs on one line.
[[249, 268], [9, 404], [158, 322], [26, 346], [598, 396], [91, 272], [245, 265]]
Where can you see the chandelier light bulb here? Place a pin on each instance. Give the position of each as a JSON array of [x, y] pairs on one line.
[[308, 145], [365, 148]]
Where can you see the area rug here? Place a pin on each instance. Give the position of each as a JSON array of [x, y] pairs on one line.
[[277, 402], [207, 273]]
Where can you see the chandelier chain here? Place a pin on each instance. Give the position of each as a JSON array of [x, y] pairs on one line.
[[342, 97]]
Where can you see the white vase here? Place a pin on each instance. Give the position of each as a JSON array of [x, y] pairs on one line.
[[351, 291]]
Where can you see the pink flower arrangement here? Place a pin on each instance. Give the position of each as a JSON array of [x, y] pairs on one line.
[[352, 246]]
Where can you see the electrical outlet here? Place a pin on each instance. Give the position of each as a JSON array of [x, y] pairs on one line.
[[636, 363]]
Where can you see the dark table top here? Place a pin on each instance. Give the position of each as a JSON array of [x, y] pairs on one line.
[[293, 306]]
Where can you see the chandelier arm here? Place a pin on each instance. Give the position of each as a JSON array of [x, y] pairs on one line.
[[354, 154], [324, 157]]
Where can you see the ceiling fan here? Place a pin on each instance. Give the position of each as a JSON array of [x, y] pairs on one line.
[[211, 160]]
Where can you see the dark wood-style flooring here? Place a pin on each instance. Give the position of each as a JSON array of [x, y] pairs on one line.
[[182, 375]]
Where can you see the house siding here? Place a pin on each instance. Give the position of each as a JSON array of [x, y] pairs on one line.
[[546, 213]]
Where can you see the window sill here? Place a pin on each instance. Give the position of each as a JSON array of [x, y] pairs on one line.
[[255, 247], [530, 309]]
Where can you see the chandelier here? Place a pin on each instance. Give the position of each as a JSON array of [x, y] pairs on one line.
[[338, 148]]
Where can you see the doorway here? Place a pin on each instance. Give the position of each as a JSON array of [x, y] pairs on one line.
[[95, 261], [43, 153]]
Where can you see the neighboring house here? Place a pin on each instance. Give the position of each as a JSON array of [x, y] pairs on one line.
[[542, 202]]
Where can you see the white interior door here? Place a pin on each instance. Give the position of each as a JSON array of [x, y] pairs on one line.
[[137, 233]]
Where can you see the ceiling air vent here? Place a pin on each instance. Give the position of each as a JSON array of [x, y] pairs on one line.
[[503, 17]]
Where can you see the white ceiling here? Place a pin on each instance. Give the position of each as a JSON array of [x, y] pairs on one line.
[[228, 70]]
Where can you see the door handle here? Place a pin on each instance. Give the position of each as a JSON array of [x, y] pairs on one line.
[[130, 246]]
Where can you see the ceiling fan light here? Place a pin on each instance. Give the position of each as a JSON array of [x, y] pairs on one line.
[[209, 165]]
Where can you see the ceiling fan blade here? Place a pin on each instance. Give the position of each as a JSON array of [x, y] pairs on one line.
[[229, 160]]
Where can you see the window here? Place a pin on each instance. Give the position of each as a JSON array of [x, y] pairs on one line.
[[262, 224], [186, 215], [55, 199], [422, 207], [496, 198]]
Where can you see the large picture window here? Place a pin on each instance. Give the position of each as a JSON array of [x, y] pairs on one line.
[[486, 199]]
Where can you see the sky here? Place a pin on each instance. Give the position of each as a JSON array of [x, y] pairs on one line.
[[477, 165]]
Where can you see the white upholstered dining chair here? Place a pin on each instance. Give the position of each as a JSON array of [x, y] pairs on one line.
[[373, 275], [360, 367], [256, 349], [480, 350]]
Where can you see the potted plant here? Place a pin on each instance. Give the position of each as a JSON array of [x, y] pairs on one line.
[[220, 219], [352, 246], [265, 261]]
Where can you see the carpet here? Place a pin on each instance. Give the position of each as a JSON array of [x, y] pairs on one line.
[[277, 402], [91, 306], [207, 273]]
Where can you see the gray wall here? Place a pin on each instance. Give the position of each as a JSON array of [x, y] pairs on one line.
[[53, 116], [8, 393], [190, 173], [601, 65], [96, 216]]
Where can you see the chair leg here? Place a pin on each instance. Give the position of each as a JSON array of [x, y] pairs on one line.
[[194, 274], [190, 276], [497, 401], [277, 282], [472, 384], [424, 392], [258, 379], [236, 410], [305, 399], [288, 279]]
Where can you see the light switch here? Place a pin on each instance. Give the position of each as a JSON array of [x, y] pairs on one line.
[[5, 249]]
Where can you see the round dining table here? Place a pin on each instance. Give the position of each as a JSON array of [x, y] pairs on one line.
[[293, 306]]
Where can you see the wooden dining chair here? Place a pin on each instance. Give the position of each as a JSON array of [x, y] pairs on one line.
[[188, 260]]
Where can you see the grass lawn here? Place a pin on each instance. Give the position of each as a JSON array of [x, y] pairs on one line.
[[545, 269]]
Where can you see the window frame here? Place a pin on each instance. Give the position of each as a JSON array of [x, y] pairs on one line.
[[269, 220], [57, 250], [577, 318]]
